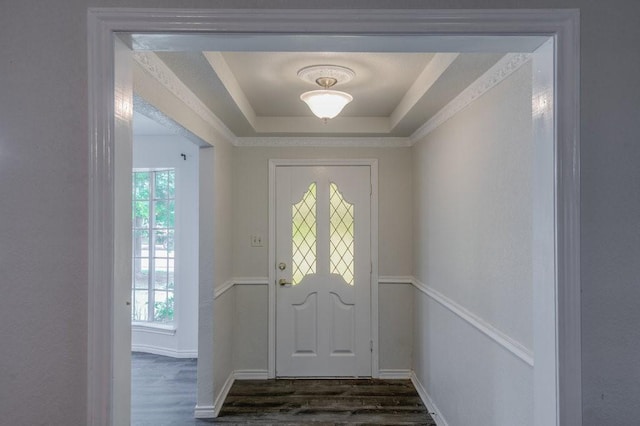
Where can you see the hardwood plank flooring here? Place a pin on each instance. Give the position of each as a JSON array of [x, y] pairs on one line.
[[163, 390], [324, 402], [164, 394]]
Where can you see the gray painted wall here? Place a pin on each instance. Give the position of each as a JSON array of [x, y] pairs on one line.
[[43, 185], [473, 245], [251, 206]]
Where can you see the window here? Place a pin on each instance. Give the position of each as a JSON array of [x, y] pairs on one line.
[[341, 235], [153, 283], [304, 236]]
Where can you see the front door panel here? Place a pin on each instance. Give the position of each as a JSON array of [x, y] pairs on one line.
[[323, 256]]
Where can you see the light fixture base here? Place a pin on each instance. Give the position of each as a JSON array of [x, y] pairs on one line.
[[318, 74]]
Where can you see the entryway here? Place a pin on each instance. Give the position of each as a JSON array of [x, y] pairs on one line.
[[556, 381]]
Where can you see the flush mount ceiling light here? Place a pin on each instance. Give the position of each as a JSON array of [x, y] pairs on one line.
[[326, 103]]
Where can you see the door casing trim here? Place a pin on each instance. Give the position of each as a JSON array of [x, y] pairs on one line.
[[560, 25], [373, 165]]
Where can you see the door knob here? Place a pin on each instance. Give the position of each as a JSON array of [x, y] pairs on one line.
[[282, 266], [284, 283]]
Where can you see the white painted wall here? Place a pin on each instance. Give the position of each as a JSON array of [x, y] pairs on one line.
[[472, 245], [44, 181], [165, 151]]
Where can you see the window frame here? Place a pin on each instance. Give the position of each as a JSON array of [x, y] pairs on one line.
[[151, 229]]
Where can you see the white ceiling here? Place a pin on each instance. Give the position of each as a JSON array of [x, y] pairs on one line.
[[145, 126], [380, 82], [258, 93]]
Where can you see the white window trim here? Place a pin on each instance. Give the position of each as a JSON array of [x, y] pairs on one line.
[[154, 327]]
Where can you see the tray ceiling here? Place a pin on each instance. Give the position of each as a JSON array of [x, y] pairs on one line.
[[257, 93]]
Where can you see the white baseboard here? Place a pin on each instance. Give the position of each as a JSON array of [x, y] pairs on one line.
[[212, 411], [204, 412], [394, 373], [251, 374], [222, 395], [428, 402], [157, 350]]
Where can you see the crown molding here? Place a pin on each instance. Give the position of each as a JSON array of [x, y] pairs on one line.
[[318, 142], [153, 65], [494, 75]]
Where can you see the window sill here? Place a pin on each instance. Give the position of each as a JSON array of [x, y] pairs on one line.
[[149, 327]]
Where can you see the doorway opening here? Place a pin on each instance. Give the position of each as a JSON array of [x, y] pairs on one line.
[[164, 285], [556, 322]]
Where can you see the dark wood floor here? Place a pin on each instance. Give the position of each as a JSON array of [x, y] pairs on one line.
[[163, 390], [163, 393]]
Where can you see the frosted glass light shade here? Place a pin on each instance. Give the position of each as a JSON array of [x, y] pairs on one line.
[[326, 104]]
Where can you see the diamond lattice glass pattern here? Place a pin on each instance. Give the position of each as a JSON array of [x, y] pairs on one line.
[[341, 235], [304, 236]]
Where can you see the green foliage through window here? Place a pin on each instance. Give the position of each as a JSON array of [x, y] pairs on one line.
[[154, 210]]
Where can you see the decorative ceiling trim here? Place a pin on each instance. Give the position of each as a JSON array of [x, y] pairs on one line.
[[152, 64], [318, 142], [494, 75]]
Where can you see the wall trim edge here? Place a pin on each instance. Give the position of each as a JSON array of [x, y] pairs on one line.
[[155, 67], [229, 284], [502, 69], [220, 290], [392, 279], [489, 330], [217, 405], [204, 412], [157, 350], [428, 402]]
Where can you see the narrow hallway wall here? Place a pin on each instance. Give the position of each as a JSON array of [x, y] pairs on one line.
[[473, 258]]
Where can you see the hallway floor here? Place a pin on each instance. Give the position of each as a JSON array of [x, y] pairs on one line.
[[163, 393]]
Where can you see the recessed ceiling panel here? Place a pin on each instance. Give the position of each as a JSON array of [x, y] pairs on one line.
[[271, 85]]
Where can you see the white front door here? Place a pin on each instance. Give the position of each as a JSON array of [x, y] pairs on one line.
[[323, 271]]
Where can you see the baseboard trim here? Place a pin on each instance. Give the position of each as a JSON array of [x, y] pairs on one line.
[[428, 402], [212, 411], [394, 373], [251, 374], [204, 412], [156, 350], [222, 395]]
